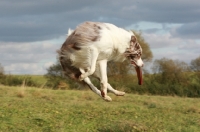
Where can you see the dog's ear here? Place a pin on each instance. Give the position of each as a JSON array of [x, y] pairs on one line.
[[133, 39], [134, 45], [70, 31]]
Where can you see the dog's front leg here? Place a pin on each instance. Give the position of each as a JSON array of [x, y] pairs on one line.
[[104, 79], [92, 58]]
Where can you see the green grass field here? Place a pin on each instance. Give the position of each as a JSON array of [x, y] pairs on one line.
[[24, 109]]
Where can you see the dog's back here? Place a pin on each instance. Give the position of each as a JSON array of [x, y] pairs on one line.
[[109, 40]]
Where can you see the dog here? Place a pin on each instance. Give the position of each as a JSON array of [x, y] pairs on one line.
[[90, 46]]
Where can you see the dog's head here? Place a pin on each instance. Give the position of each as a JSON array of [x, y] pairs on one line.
[[134, 53]]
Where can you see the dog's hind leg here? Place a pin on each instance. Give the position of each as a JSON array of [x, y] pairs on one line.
[[116, 92], [89, 83]]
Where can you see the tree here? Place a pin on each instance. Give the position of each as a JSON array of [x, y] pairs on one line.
[[124, 68], [170, 71], [54, 75], [1, 70], [54, 71], [195, 64]]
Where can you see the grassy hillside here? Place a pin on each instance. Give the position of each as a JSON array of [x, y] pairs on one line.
[[35, 110]]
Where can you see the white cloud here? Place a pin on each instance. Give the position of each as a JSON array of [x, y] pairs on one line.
[[24, 68], [29, 58], [48, 64], [190, 46], [164, 45], [162, 40]]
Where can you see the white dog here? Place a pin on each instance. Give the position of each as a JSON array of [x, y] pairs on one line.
[[90, 46]]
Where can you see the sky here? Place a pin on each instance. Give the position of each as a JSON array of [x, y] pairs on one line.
[[32, 30]]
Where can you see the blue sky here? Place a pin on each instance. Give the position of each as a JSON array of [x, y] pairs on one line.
[[32, 31]]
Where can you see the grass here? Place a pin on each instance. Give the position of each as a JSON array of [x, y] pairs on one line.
[[25, 109]]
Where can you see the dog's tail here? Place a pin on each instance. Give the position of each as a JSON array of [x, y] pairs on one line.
[[68, 70]]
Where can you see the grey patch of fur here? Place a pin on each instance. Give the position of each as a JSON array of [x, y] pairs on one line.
[[83, 35]]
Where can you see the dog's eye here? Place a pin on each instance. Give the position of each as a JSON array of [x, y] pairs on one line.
[[136, 55], [133, 56]]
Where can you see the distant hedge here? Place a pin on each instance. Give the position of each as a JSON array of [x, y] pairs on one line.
[[12, 80], [153, 84]]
